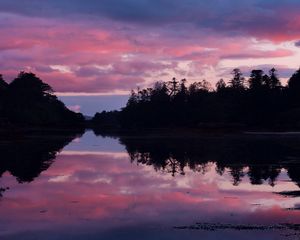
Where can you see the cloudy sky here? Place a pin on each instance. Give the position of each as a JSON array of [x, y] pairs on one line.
[[87, 49]]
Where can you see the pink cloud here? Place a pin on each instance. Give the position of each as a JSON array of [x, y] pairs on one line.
[[259, 54], [75, 108], [113, 56]]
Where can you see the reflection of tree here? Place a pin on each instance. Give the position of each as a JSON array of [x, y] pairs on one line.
[[27, 157], [2, 190], [294, 173], [258, 174], [259, 158], [237, 174]]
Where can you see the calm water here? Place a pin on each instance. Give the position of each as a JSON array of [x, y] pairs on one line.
[[89, 187]]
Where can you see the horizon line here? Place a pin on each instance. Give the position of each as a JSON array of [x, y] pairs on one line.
[[87, 94]]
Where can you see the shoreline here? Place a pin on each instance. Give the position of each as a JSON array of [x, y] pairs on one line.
[[196, 132], [14, 131]]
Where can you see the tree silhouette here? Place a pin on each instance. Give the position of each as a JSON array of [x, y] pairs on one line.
[[274, 80], [173, 87], [3, 84], [294, 83], [238, 81], [263, 104], [256, 80], [160, 93], [30, 85], [30, 102], [266, 82], [220, 85], [3, 88]]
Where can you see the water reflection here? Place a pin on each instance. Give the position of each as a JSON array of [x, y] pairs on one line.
[[94, 189], [26, 157], [260, 158]]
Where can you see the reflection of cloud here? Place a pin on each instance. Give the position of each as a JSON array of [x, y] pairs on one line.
[[59, 179], [107, 191], [95, 153], [102, 180]]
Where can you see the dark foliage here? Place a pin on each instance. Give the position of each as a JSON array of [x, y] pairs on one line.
[[106, 121], [260, 102], [29, 102], [3, 85]]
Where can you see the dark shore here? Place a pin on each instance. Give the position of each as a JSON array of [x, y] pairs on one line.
[[208, 131]]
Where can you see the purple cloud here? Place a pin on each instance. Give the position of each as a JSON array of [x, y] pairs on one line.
[[115, 45]]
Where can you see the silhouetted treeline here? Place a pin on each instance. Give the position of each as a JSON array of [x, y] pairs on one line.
[[106, 121], [258, 102], [29, 102]]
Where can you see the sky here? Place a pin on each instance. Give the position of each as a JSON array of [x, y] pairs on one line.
[[89, 50]]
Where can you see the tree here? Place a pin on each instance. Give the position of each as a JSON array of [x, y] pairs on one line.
[[256, 79], [266, 81], [182, 87], [182, 91], [133, 100], [294, 82], [274, 80], [28, 85], [3, 84], [160, 93], [106, 120], [144, 95], [31, 102], [173, 87], [205, 85], [3, 88], [237, 82], [220, 85]]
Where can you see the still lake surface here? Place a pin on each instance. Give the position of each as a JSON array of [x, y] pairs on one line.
[[133, 187]]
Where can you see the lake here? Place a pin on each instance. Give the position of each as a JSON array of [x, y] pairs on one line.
[[150, 187]]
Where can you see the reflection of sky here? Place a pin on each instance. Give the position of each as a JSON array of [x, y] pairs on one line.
[[92, 191], [89, 142]]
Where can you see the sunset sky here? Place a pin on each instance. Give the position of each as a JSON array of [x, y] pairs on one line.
[[96, 51]]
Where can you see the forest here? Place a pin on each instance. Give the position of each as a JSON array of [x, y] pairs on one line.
[[258, 102], [28, 102]]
